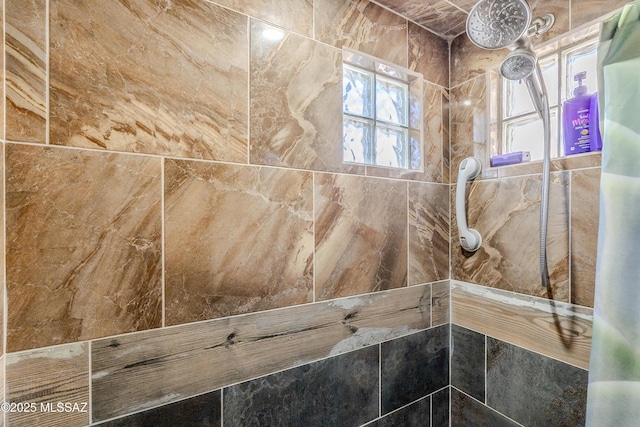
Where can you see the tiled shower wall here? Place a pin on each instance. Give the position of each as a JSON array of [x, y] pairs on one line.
[[520, 353], [179, 222]]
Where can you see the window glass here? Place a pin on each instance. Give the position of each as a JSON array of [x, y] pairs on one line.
[[391, 147], [382, 113], [527, 134], [391, 101], [357, 90], [583, 58], [357, 140]]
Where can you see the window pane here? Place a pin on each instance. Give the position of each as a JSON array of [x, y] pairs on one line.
[[391, 147], [581, 59], [415, 150], [357, 92], [357, 140], [517, 100], [391, 101], [527, 135]]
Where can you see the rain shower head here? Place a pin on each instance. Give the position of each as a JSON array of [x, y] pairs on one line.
[[496, 24]]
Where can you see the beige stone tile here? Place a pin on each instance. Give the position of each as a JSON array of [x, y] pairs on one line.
[[360, 235], [293, 15], [469, 61], [446, 137], [439, 16], [506, 212], [428, 232], [584, 11], [560, 11], [296, 102], [467, 109], [25, 49], [585, 215], [466, 5], [558, 330], [139, 371], [237, 239], [363, 26], [83, 245], [429, 55], [45, 378], [170, 78]]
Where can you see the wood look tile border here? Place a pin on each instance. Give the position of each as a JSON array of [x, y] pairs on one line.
[[142, 370], [554, 329]]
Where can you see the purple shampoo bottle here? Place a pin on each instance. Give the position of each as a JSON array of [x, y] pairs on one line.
[[594, 124], [575, 113]]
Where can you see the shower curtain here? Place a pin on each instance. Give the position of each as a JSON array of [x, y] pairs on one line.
[[614, 372]]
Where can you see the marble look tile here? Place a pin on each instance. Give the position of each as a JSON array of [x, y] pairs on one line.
[[363, 26], [342, 390], [140, 371], [226, 250], [46, 377], [446, 138], [468, 124], [465, 5], [467, 361], [506, 212], [559, 9], [433, 141], [533, 389], [92, 221], [360, 235], [584, 11], [585, 215], [413, 367], [429, 55], [466, 411], [440, 408], [439, 16], [200, 411], [469, 61], [559, 330], [440, 303], [428, 233], [294, 15], [25, 49], [296, 102], [171, 79], [416, 414], [578, 161]]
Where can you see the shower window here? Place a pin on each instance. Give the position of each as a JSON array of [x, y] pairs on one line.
[[382, 113], [514, 124]]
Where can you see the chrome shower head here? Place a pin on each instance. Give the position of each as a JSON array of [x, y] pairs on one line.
[[495, 24], [519, 64]]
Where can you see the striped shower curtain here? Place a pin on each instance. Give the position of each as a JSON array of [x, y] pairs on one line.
[[614, 371]]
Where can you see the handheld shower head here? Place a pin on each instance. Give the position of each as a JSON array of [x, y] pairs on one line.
[[518, 65], [495, 24]]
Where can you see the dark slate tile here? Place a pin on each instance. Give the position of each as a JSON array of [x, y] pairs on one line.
[[199, 411], [468, 412], [467, 361], [533, 389], [342, 390], [414, 366], [417, 414], [440, 408]]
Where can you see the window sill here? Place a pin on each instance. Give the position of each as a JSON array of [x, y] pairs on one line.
[[575, 161]]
